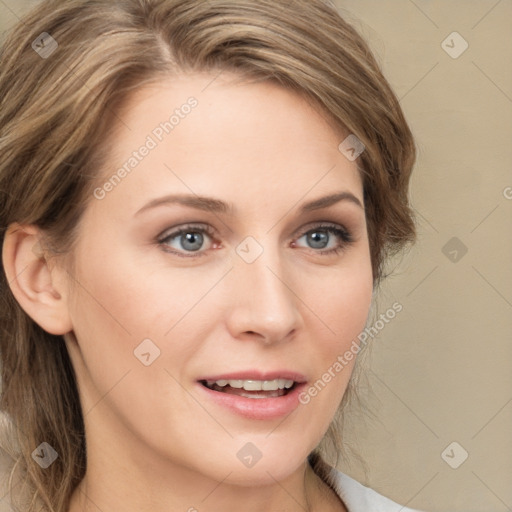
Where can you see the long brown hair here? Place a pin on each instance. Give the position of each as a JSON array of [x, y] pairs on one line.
[[56, 112]]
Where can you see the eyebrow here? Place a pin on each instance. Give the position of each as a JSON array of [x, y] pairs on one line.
[[212, 205]]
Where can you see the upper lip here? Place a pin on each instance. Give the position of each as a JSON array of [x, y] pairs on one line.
[[258, 375]]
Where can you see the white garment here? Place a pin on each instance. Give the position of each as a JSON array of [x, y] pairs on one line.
[[355, 496], [358, 498]]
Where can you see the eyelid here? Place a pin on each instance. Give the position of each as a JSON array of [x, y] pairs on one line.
[[323, 225], [186, 227], [177, 231], [339, 230], [345, 235]]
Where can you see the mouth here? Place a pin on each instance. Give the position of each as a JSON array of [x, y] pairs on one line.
[[254, 394], [256, 389]]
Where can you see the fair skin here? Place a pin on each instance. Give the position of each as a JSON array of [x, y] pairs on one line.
[[157, 438]]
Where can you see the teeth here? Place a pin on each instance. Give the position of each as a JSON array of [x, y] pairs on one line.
[[270, 385], [254, 385]]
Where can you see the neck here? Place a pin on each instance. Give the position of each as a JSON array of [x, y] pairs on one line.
[[125, 473], [112, 486]]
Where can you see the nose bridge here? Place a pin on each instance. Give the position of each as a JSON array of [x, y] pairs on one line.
[[263, 302]]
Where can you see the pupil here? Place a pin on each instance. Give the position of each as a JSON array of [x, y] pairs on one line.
[[321, 239], [191, 238]]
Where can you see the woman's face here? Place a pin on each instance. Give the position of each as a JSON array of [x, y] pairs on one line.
[[218, 279]]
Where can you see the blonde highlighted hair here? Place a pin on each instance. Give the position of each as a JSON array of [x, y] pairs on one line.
[[56, 118]]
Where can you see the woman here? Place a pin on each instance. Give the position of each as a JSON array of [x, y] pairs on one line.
[[197, 202]]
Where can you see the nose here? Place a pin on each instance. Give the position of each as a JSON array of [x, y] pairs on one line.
[[262, 302]]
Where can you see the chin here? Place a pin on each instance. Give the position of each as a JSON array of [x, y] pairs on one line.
[[262, 461], [260, 476]]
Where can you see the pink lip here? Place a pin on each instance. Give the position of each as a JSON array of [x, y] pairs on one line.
[[257, 375], [256, 408]]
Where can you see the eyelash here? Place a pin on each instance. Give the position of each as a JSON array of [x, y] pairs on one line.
[[344, 235]]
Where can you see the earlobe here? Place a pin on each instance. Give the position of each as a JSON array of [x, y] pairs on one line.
[[38, 288]]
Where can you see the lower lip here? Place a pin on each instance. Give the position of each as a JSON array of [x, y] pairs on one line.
[[256, 408]]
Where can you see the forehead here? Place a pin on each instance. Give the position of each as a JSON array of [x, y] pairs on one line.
[[215, 135]]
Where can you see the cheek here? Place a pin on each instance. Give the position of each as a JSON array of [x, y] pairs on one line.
[[116, 310], [341, 307], [132, 301], [120, 303], [341, 300]]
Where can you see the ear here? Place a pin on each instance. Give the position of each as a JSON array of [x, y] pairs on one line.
[[39, 289]]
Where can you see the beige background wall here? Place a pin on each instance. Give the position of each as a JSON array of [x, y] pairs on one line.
[[442, 369]]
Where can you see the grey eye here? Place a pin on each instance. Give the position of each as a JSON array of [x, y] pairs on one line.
[[318, 239], [191, 241]]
